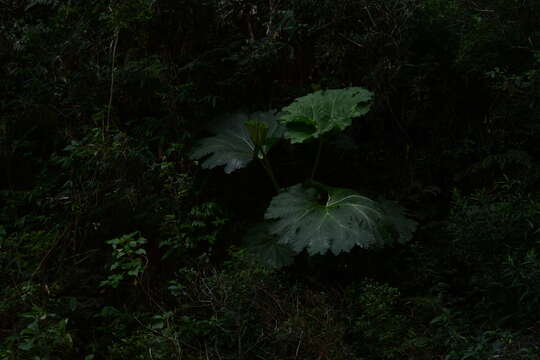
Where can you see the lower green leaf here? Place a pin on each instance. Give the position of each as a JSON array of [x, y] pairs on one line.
[[333, 219]]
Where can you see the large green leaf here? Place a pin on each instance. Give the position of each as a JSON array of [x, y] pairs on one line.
[[320, 112], [336, 220], [239, 138]]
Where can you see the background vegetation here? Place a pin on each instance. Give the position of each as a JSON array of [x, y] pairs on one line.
[[115, 245]]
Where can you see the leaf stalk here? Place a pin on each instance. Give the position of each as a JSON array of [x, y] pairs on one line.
[[317, 159], [268, 168]]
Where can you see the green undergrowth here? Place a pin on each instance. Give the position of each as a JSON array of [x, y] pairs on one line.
[[380, 197]]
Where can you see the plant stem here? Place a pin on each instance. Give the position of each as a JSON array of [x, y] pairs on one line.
[[317, 158], [268, 168]]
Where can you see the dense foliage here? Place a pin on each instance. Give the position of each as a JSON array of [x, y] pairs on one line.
[[122, 238]]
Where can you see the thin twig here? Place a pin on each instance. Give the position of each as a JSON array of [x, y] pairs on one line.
[[114, 45], [351, 40], [299, 344], [370, 17]]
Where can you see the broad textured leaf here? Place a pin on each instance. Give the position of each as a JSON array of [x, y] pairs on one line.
[[320, 112], [336, 221], [233, 145], [266, 249]]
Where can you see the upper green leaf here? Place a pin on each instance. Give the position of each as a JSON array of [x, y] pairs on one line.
[[320, 112], [336, 221], [234, 145]]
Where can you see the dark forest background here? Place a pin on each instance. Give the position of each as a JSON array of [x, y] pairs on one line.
[[115, 245]]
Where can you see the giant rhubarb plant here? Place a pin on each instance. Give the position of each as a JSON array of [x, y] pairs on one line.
[[309, 216]]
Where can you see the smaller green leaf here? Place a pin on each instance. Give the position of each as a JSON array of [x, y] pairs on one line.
[[266, 249], [160, 324], [239, 139], [26, 345]]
